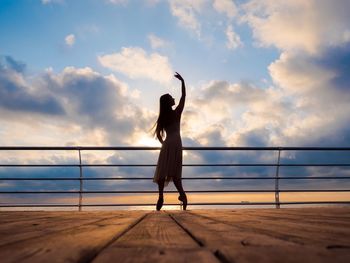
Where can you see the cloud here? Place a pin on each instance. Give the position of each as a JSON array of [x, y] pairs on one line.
[[308, 105], [77, 105], [97, 102], [305, 25], [235, 110], [157, 42], [70, 40], [311, 70], [17, 95], [233, 39], [226, 7], [205, 17], [134, 62], [318, 85], [186, 11]]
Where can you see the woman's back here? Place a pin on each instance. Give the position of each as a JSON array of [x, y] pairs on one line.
[[173, 128]]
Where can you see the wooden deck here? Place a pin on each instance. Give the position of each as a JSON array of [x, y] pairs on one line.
[[240, 235]]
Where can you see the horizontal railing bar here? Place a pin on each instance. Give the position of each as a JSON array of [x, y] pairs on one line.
[[188, 165], [170, 191], [175, 204], [39, 165], [9, 148], [313, 177], [151, 178]]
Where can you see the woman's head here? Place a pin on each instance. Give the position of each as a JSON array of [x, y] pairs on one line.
[[166, 101]]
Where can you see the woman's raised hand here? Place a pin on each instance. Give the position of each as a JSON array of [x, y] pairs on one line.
[[178, 76]]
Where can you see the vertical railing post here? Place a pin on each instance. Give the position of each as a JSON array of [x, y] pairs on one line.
[[80, 181], [277, 193]]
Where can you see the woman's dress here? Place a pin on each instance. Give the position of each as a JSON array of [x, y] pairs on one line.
[[169, 163]]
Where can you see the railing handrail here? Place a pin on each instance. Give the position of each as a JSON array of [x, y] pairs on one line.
[[197, 148], [81, 179]]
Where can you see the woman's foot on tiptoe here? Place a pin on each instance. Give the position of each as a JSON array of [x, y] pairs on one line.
[[160, 203], [183, 199]]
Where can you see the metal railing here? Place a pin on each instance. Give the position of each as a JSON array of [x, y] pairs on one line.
[[276, 179]]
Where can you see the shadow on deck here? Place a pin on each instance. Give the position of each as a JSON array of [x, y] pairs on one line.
[[241, 235]]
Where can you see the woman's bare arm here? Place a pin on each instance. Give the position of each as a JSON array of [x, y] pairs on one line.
[[181, 105]]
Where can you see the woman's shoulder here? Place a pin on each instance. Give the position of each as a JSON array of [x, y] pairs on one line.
[[177, 112]]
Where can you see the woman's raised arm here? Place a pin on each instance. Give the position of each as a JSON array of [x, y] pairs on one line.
[[181, 105]]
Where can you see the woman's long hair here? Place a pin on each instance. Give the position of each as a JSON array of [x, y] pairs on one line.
[[166, 115]]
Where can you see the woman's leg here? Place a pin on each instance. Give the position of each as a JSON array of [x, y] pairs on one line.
[[161, 187], [160, 198], [182, 197], [178, 185]]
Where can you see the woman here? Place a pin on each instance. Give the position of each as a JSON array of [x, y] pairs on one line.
[[169, 166]]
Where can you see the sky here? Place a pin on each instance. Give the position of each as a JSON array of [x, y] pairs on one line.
[[258, 73]]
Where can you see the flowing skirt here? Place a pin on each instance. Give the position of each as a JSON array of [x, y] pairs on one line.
[[169, 163]]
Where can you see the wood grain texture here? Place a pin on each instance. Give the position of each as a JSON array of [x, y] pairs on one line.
[[33, 225], [303, 226], [157, 230], [157, 238], [239, 235], [154, 254], [221, 231], [70, 245]]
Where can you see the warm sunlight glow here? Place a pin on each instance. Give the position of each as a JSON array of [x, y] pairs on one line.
[[148, 141]]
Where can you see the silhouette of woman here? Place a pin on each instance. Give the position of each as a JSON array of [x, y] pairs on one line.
[[169, 166]]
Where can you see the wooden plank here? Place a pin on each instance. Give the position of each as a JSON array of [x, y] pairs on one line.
[[297, 230], [79, 244], [303, 215], [155, 254], [36, 226], [243, 245], [323, 214], [306, 218], [240, 235], [9, 216], [310, 222], [157, 238], [157, 229], [294, 229]]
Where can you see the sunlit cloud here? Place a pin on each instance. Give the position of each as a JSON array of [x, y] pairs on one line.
[[66, 109], [134, 62], [298, 25]]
